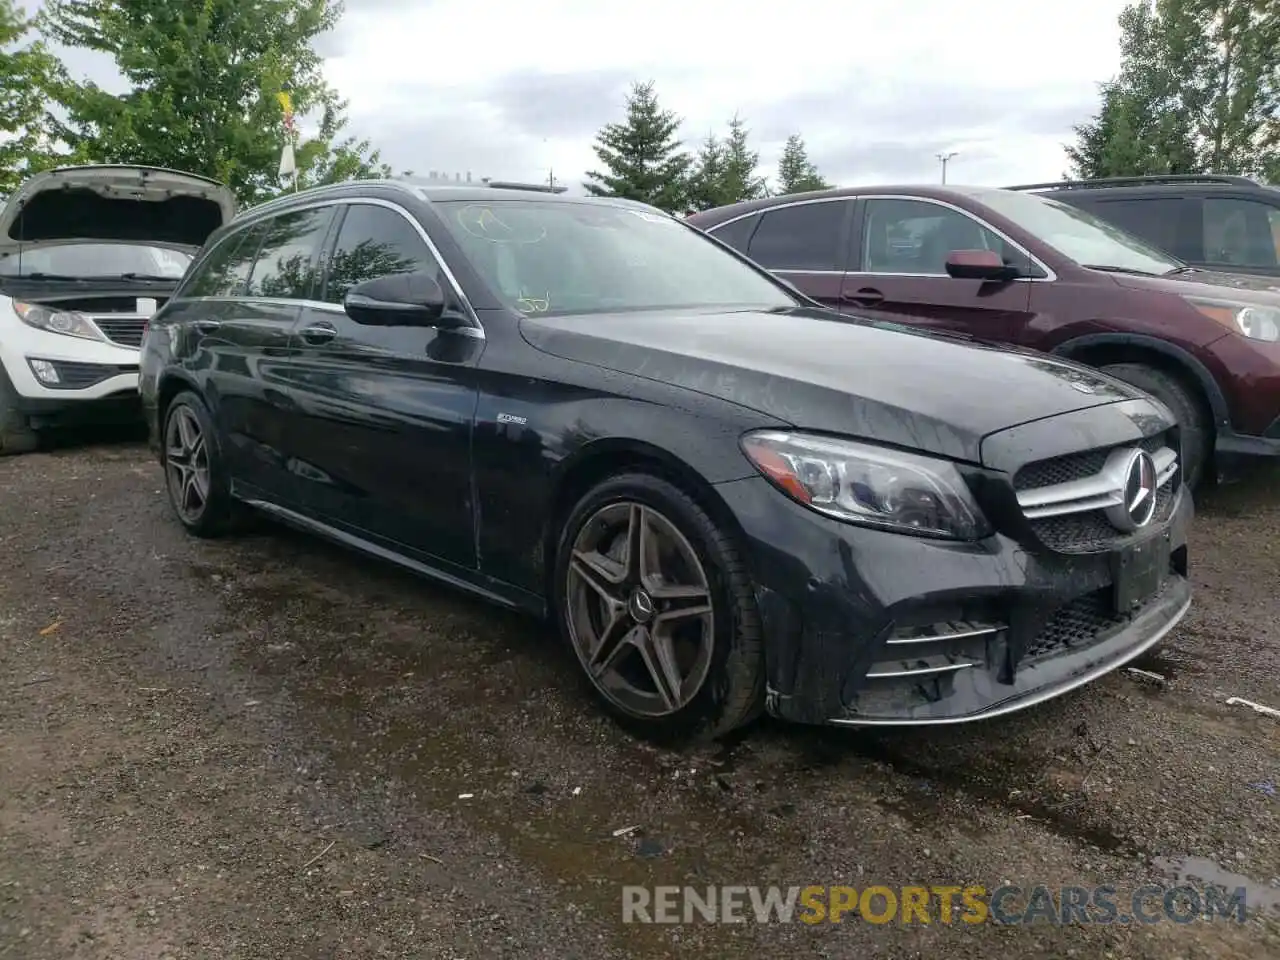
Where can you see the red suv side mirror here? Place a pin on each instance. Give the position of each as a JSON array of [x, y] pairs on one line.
[[979, 265]]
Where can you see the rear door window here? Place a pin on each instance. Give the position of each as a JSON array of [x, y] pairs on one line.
[[736, 233], [804, 236], [1161, 221], [1241, 233], [287, 259], [225, 271]]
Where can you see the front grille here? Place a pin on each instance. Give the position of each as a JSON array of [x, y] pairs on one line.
[[1092, 532], [1078, 624], [1086, 529], [1075, 466], [126, 331]]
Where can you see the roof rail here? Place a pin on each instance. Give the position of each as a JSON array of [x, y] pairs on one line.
[[1140, 181], [513, 185]]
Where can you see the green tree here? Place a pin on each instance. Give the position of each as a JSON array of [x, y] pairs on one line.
[[741, 181], [643, 156], [1198, 91], [707, 176], [796, 174], [27, 71], [204, 81]]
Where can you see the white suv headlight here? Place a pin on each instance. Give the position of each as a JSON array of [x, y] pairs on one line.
[[57, 321]]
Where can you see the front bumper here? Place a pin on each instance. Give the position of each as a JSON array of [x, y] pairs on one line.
[[96, 382], [864, 627]]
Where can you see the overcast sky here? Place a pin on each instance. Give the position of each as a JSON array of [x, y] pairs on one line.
[[513, 90]]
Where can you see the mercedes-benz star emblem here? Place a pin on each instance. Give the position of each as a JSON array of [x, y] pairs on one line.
[[1138, 505], [640, 607]]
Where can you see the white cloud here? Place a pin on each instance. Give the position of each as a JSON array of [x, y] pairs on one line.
[[875, 92]]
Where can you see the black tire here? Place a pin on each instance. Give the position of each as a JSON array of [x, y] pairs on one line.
[[1193, 419], [16, 435], [221, 513], [732, 694]]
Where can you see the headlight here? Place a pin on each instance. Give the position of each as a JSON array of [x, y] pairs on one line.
[[1255, 322], [57, 321], [869, 485]]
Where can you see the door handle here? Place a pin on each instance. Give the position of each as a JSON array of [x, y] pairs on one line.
[[319, 333], [207, 325], [866, 296]]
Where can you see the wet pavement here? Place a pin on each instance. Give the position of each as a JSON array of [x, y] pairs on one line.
[[271, 747]]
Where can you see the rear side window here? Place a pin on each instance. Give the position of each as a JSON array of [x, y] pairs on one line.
[[287, 259], [1157, 220], [736, 233], [374, 242], [1241, 233], [225, 270], [801, 237]]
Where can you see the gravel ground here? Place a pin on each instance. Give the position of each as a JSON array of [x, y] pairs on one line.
[[256, 749]]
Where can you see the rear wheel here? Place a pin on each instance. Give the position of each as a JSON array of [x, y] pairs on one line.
[[196, 475], [16, 435], [655, 601], [1193, 419]]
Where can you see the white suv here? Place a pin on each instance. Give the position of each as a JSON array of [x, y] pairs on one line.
[[87, 255]]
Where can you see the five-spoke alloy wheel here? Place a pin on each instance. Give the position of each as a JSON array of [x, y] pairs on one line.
[[194, 474], [657, 607]]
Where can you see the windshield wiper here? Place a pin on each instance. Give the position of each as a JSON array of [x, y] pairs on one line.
[[1108, 268], [41, 276], [131, 276]]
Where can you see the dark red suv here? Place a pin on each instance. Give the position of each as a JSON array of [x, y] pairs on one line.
[[1025, 270]]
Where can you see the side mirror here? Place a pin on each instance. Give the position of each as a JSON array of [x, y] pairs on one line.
[[397, 300], [979, 265]]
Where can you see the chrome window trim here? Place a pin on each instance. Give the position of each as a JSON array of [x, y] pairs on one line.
[[1049, 276], [475, 330]]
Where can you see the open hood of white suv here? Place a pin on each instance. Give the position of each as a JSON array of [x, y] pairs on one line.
[[115, 203]]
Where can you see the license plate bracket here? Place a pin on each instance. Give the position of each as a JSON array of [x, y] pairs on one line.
[[1139, 572]]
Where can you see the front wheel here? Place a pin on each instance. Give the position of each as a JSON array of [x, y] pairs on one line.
[[1193, 420], [16, 435], [655, 601]]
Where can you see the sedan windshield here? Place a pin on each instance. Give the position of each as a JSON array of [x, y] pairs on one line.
[[561, 257], [1084, 238], [96, 261]]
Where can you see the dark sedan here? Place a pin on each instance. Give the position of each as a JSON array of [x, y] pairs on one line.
[[728, 499]]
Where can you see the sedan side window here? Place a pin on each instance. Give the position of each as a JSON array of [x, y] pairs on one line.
[[225, 271], [374, 242], [286, 263], [804, 236], [915, 236], [1240, 233]]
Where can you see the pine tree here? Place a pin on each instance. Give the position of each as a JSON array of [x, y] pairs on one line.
[[643, 156], [740, 165], [27, 73], [706, 178], [796, 174]]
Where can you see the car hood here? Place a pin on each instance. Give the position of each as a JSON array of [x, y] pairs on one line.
[[1194, 282], [121, 203], [817, 371]]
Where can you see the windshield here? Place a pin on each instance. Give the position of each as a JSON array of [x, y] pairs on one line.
[[1081, 236], [557, 258], [96, 260]]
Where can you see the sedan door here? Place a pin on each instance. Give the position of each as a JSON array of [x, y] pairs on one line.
[[382, 447], [898, 271]]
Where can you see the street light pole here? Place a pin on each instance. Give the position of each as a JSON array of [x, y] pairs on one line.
[[944, 157]]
